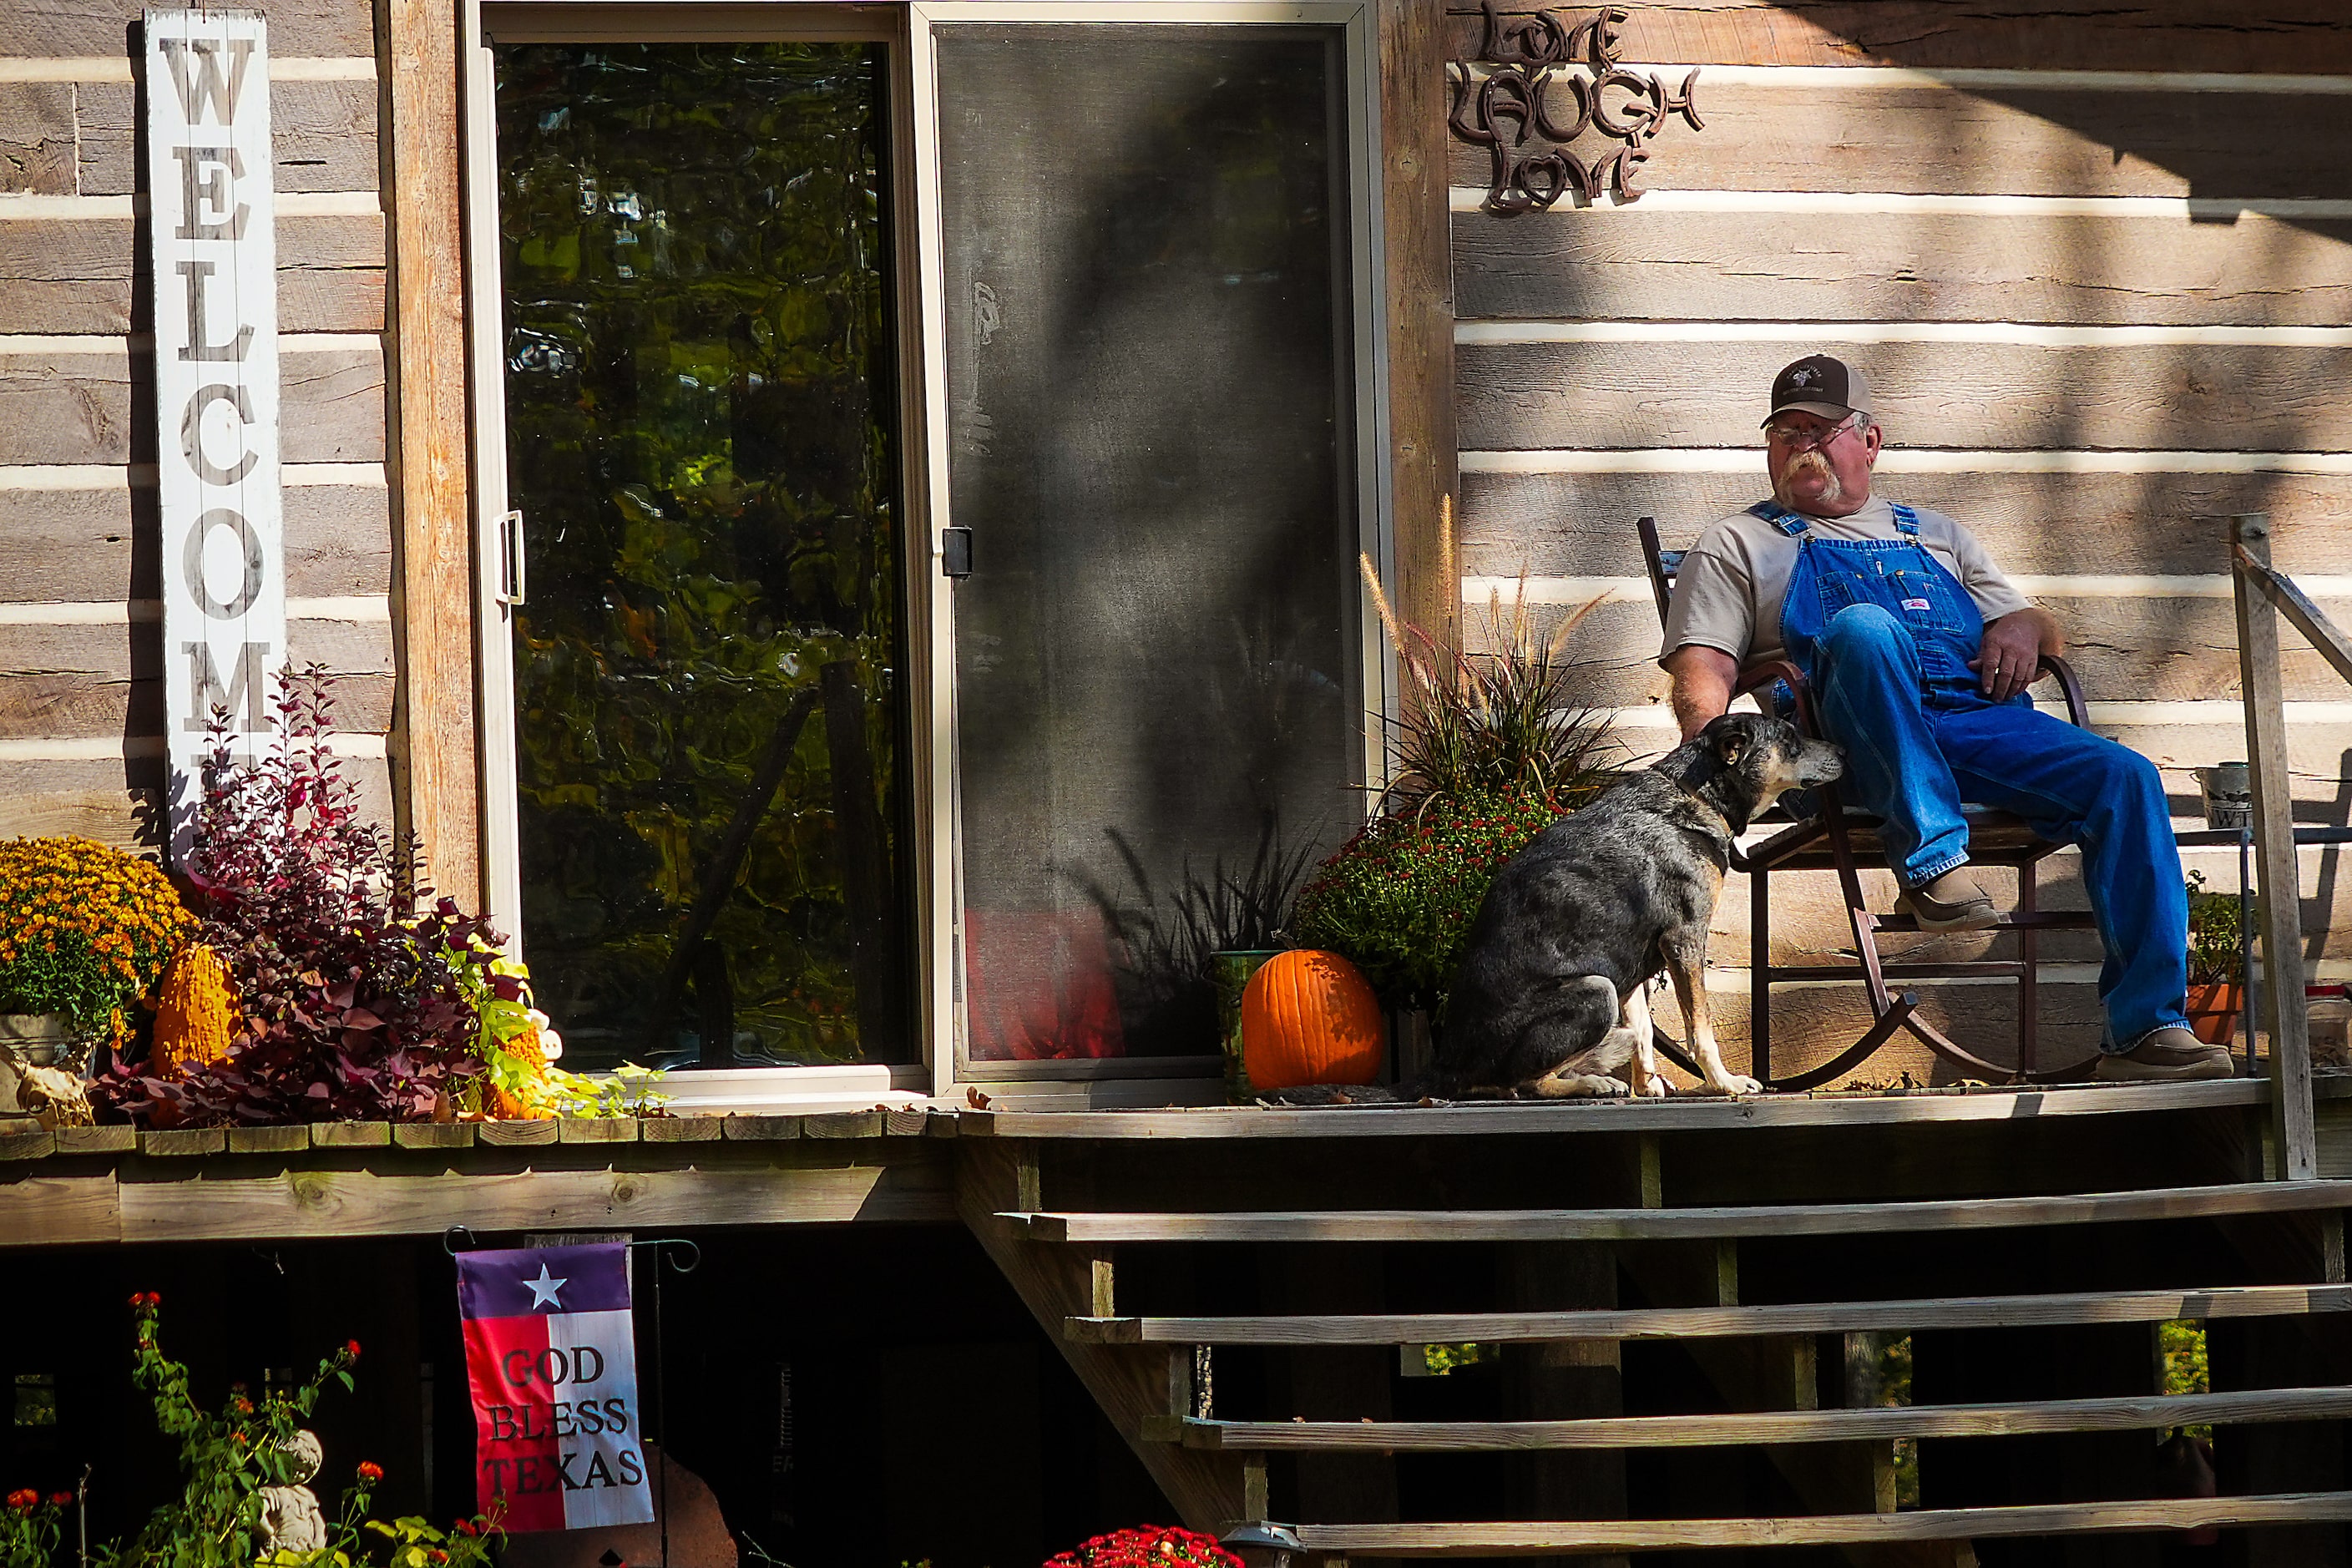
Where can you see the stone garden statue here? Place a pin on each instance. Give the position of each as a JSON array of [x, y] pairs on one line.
[[291, 1519]]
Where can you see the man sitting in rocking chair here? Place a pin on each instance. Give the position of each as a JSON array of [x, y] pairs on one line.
[[1918, 652]]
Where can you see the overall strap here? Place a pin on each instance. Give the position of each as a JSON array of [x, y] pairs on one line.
[[1779, 517], [1906, 520]]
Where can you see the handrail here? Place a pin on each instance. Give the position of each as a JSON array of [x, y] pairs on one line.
[[2264, 594]]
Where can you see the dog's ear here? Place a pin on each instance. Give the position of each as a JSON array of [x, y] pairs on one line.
[[1731, 743]]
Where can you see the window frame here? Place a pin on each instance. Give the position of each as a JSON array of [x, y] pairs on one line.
[[905, 29]]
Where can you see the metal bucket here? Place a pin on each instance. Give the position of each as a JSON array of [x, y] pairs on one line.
[[2227, 790]]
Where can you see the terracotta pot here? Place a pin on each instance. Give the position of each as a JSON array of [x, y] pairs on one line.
[[2213, 1010]]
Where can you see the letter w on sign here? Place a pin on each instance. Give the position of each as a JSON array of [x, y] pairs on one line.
[[552, 1362]]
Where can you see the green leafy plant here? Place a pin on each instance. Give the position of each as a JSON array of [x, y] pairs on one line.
[[1444, 1361], [1398, 899], [227, 1456], [2182, 1352], [2214, 952], [29, 1528]]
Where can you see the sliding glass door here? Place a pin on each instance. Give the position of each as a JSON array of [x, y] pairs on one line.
[[700, 435], [1148, 246]]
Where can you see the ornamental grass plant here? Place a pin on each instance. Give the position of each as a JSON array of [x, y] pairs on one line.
[[1501, 720], [1490, 750], [85, 930]]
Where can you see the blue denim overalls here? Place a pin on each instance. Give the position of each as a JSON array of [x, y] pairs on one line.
[[1901, 578], [1885, 634]]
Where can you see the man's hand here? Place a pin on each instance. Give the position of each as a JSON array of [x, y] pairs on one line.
[[1703, 680], [2011, 653]]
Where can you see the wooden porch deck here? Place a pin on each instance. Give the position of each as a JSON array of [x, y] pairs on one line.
[[78, 1186]]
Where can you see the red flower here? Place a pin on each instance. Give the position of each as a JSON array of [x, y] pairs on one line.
[[61, 1499], [352, 1349], [437, 1555], [23, 1500], [465, 1527], [370, 1471]]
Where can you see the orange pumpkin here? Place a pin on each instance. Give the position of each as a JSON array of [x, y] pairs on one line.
[[1309, 1017]]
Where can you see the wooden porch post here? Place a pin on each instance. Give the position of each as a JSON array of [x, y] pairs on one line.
[[435, 781], [1419, 288]]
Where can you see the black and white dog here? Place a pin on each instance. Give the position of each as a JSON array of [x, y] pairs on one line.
[[1551, 1000]]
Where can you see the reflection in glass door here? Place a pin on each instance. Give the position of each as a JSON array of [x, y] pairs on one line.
[[700, 402], [1147, 237]]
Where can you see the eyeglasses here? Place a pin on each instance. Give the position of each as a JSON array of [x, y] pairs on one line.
[[1782, 433]]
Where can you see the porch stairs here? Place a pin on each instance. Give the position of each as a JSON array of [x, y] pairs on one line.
[[1763, 1359]]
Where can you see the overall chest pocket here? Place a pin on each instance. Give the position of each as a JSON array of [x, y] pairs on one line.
[[1926, 600]]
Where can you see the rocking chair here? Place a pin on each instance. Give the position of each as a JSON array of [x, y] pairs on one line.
[[1837, 840]]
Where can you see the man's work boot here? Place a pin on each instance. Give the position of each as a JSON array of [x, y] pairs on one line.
[[1952, 902], [2172, 1054]]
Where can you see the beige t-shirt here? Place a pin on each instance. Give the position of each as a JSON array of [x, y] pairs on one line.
[[1728, 593]]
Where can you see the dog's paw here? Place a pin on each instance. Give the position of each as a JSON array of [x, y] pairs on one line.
[[1653, 1088], [1733, 1084]]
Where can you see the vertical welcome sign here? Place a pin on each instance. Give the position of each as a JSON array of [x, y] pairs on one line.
[[216, 313]]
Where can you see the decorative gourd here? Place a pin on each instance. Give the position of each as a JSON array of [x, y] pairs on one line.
[[534, 1047], [1310, 1017], [193, 1013]]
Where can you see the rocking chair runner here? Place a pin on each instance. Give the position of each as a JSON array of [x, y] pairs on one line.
[[1835, 841]]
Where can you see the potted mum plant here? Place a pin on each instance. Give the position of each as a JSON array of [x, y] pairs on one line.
[[2216, 990], [85, 931]]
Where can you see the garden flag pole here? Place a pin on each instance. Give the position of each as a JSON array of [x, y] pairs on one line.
[[551, 1358]]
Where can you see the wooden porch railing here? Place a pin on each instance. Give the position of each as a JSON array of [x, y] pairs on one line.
[[2262, 595]]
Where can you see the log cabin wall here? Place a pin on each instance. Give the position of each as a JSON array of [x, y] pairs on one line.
[[81, 711], [2095, 262]]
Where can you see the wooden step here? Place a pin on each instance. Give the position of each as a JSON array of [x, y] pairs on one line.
[[1762, 1220], [1682, 1113], [1713, 1322], [1507, 1539], [2144, 1413]]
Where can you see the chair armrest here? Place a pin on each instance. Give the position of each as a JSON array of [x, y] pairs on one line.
[[2078, 712], [1758, 676]]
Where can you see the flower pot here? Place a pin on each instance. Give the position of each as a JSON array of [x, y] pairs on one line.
[[29, 1040], [2213, 1010], [1230, 973], [41, 1039]]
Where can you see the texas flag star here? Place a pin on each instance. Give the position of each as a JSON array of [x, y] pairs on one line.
[[542, 1289]]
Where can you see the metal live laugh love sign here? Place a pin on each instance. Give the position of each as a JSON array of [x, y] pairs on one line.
[[213, 219]]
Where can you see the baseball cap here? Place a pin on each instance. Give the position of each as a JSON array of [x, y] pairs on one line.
[[1819, 385]]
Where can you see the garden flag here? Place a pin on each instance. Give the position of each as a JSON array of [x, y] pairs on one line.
[[553, 1366]]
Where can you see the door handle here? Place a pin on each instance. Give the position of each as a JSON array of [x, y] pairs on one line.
[[510, 578]]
